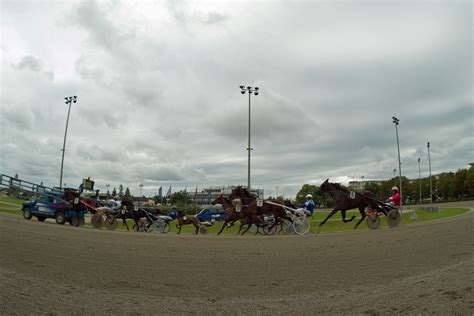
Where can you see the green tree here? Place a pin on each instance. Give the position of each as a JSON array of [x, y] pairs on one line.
[[373, 187], [120, 192], [460, 183], [178, 199], [114, 192], [444, 187], [470, 180], [127, 193]]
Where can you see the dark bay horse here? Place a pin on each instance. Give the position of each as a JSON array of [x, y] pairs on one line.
[[343, 201], [253, 212], [231, 214], [186, 220], [130, 211]]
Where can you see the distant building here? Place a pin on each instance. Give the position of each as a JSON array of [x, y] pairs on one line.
[[205, 196], [360, 185]]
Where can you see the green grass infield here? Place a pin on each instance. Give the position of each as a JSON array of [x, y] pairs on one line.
[[13, 206]]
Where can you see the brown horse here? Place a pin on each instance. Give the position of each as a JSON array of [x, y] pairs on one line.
[[231, 214], [186, 220], [343, 201], [130, 211], [253, 212]]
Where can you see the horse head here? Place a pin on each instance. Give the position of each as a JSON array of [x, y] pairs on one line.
[[325, 186], [218, 200]]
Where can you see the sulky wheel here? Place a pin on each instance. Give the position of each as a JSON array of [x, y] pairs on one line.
[[269, 229], [97, 220], [110, 223], [301, 225], [287, 227], [164, 227], [373, 221], [393, 218], [156, 227], [203, 230]]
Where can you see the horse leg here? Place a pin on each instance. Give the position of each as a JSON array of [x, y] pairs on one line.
[[196, 226], [328, 217], [344, 217], [125, 223], [178, 226], [246, 229], [222, 228], [240, 228], [362, 214]]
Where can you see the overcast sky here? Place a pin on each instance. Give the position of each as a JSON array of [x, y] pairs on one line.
[[159, 100]]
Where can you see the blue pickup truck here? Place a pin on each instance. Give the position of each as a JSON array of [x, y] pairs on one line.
[[51, 205], [211, 213]]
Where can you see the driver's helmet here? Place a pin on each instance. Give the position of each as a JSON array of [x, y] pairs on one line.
[[394, 188], [309, 196]]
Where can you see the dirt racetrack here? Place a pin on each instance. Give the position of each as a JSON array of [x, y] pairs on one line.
[[425, 268]]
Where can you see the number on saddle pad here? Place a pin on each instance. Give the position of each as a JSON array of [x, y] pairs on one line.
[[135, 208], [259, 202], [352, 195], [76, 201]]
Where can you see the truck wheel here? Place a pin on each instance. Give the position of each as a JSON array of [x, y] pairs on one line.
[[41, 218], [27, 213], [60, 218]]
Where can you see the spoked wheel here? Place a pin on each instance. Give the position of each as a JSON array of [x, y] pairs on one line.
[[203, 230], [253, 229], [270, 229], [165, 227], [393, 218], [111, 223], [97, 220], [159, 226], [301, 225], [287, 227], [373, 221]]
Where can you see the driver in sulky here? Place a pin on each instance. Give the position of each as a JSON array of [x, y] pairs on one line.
[[308, 206], [394, 199]]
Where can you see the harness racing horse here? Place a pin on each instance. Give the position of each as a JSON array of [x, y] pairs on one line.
[[343, 201], [253, 212], [231, 215], [186, 220], [128, 212]]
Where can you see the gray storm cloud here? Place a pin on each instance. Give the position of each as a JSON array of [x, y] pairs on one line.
[[160, 104]]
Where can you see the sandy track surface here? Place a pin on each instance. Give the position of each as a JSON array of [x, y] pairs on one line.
[[423, 268]]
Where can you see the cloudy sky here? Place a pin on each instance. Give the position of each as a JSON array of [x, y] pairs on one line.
[[159, 100]]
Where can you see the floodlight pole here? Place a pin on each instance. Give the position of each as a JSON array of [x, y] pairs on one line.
[[69, 101], [431, 185], [255, 91], [419, 177], [396, 121]]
